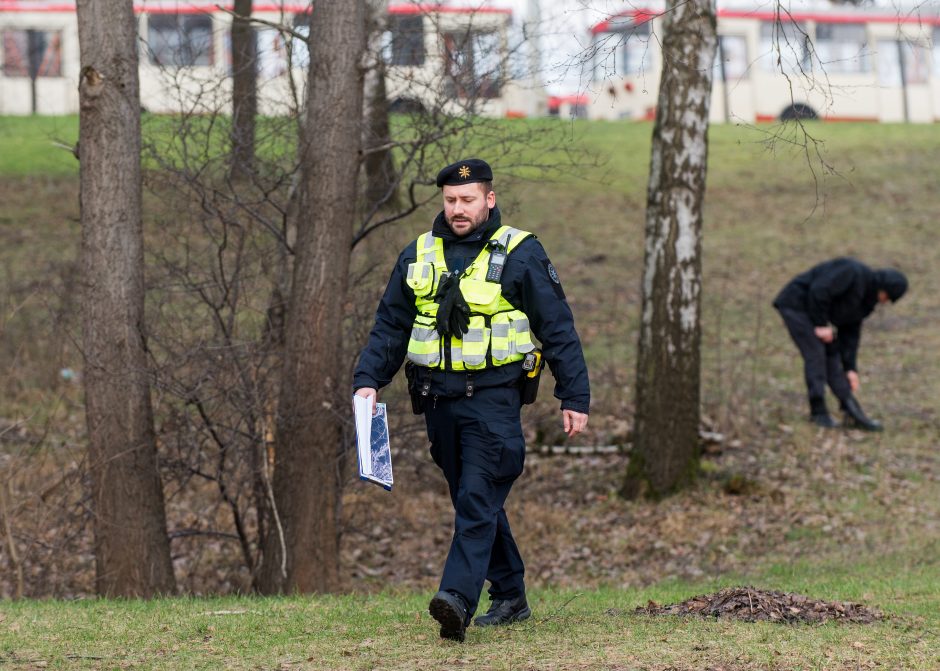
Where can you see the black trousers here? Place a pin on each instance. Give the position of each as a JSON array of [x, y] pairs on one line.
[[822, 362], [477, 442]]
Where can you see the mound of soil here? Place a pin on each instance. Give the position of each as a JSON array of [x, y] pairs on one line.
[[757, 605]]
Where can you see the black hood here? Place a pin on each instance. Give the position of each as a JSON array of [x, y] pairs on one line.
[[892, 281], [442, 230]]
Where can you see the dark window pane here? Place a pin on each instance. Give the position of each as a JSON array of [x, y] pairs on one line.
[[32, 53], [180, 40], [406, 40]]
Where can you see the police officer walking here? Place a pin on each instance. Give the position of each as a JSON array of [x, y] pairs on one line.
[[823, 309], [463, 304]]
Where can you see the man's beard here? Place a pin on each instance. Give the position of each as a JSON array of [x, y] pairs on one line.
[[475, 223]]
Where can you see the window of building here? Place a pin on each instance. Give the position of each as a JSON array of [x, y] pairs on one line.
[[32, 53], [784, 46], [300, 49], [474, 64], [624, 49], [180, 40], [636, 51], [404, 40], [272, 53], [842, 48], [604, 55], [732, 52], [916, 62], [936, 51]]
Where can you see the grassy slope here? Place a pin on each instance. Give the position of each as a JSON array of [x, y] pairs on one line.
[[856, 513]]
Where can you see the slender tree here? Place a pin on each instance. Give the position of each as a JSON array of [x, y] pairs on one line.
[[665, 449], [132, 550], [244, 89], [302, 544], [380, 188]]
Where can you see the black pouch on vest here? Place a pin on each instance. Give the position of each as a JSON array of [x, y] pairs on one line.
[[531, 374], [419, 386]]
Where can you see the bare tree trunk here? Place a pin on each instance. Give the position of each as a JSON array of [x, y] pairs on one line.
[[132, 551], [314, 392], [244, 90], [379, 165], [665, 449], [381, 177]]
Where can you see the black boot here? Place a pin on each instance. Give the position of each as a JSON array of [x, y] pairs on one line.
[[505, 611], [819, 414], [855, 417], [450, 610]]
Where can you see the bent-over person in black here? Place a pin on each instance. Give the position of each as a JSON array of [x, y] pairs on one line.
[[823, 310]]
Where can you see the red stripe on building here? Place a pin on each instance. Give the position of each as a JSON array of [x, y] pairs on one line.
[[641, 16], [206, 8]]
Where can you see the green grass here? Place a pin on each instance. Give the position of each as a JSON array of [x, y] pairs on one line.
[[30, 145], [569, 630]]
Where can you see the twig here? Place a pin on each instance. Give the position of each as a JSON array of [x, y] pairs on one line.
[[558, 610]]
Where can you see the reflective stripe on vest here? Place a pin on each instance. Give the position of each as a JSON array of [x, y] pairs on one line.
[[498, 333], [424, 346]]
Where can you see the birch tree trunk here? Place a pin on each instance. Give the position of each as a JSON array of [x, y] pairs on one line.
[[665, 449], [314, 390], [132, 551]]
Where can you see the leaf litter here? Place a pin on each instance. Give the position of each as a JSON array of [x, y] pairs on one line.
[[749, 604]]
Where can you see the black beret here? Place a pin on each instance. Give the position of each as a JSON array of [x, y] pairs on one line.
[[465, 172]]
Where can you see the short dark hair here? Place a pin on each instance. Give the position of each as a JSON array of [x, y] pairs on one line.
[[487, 187]]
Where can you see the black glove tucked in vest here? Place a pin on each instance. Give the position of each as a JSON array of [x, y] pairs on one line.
[[453, 313]]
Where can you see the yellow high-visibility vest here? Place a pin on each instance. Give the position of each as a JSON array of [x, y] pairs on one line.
[[499, 333]]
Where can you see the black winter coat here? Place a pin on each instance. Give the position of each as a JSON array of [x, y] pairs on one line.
[[841, 292], [529, 283]]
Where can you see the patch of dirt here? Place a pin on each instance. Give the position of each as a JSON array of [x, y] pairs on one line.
[[756, 605]]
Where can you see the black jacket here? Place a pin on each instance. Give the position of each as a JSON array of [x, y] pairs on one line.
[[529, 283], [841, 292]]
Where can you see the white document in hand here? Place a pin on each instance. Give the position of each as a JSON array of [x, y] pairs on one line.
[[375, 455]]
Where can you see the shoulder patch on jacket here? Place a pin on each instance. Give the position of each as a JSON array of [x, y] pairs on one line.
[[553, 276]]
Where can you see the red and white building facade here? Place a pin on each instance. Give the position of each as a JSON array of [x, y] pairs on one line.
[[433, 51], [823, 61]]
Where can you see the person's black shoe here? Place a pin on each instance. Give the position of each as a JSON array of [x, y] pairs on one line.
[[856, 418], [505, 611], [451, 612], [824, 420]]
